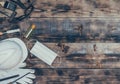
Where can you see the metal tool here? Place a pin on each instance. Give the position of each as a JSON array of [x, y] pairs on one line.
[[19, 78], [7, 78], [9, 9], [10, 31], [29, 31]]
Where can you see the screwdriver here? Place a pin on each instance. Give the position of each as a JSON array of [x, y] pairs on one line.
[[10, 31], [29, 31], [7, 78]]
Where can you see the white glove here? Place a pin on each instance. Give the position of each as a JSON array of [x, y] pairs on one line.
[[21, 65], [3, 72], [27, 79]]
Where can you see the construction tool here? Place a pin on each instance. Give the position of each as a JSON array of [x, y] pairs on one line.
[[10, 31], [9, 9], [7, 78], [30, 30], [19, 78]]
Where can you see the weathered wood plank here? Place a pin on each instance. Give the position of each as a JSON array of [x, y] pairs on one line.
[[77, 76], [77, 8], [83, 55], [75, 29]]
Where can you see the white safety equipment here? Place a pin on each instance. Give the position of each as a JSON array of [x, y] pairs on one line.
[[25, 76], [13, 52], [44, 53]]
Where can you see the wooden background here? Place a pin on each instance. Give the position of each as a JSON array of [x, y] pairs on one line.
[[77, 23], [95, 16]]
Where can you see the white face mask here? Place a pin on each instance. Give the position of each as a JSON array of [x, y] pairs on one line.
[[43, 53]]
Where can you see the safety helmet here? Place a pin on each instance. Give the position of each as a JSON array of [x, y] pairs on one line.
[[12, 52]]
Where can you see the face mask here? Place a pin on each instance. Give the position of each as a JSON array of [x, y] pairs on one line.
[[43, 53]]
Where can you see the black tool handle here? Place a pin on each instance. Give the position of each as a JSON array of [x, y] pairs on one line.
[[14, 76]]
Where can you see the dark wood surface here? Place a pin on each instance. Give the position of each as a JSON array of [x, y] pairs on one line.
[[78, 25]]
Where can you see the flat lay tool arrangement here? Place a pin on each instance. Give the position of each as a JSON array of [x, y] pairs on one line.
[[59, 42], [14, 51]]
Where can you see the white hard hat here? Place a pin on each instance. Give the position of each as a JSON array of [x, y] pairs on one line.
[[12, 52]]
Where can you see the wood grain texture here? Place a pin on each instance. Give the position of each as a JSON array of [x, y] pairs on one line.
[[99, 20], [77, 76], [76, 29], [75, 24], [77, 8]]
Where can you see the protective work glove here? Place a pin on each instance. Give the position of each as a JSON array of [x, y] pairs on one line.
[[23, 76]]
